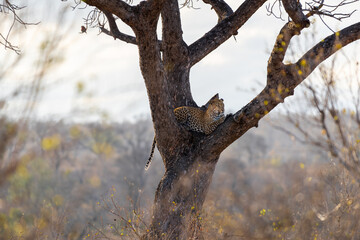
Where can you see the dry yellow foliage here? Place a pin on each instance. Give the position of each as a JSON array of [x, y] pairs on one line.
[[51, 142]]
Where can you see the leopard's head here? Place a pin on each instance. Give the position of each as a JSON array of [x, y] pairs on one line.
[[215, 108]]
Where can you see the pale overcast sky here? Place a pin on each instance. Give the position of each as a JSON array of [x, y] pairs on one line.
[[110, 70]]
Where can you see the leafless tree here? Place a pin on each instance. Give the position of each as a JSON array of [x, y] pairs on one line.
[[12, 10], [12, 145], [134, 148], [190, 158], [331, 122]]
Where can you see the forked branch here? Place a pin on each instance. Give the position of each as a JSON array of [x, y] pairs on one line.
[[223, 30], [114, 30], [281, 44], [279, 86]]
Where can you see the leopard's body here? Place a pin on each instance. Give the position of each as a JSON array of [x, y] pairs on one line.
[[205, 119], [202, 120]]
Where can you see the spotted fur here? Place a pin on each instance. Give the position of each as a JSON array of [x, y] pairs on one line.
[[205, 119]]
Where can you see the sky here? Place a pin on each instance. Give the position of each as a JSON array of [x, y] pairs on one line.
[[108, 72]]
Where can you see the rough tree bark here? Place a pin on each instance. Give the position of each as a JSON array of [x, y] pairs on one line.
[[190, 158]]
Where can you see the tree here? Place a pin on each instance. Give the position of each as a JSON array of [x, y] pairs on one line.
[[190, 158]]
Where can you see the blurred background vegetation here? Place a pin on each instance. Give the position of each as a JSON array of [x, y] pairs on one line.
[[294, 177]]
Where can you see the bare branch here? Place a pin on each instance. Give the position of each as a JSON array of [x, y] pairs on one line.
[[342, 3], [279, 86], [114, 30], [324, 125], [320, 52], [284, 130], [7, 7], [223, 30], [324, 10], [119, 35], [95, 18], [7, 44], [293, 8], [296, 12], [222, 9], [98, 19], [270, 9], [172, 34], [121, 9], [289, 30]]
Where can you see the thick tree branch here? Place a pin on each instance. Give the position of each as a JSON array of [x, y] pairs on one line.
[[324, 49], [114, 30], [223, 30], [279, 86], [172, 34], [175, 55], [222, 9], [282, 42], [293, 8]]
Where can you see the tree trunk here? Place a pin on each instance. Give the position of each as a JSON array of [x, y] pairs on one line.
[[188, 169], [180, 195]]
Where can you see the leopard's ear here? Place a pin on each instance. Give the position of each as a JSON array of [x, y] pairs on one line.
[[216, 96]]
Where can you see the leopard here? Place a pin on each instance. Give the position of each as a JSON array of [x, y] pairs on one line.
[[204, 119]]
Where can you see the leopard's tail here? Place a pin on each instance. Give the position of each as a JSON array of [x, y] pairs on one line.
[[151, 154]]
